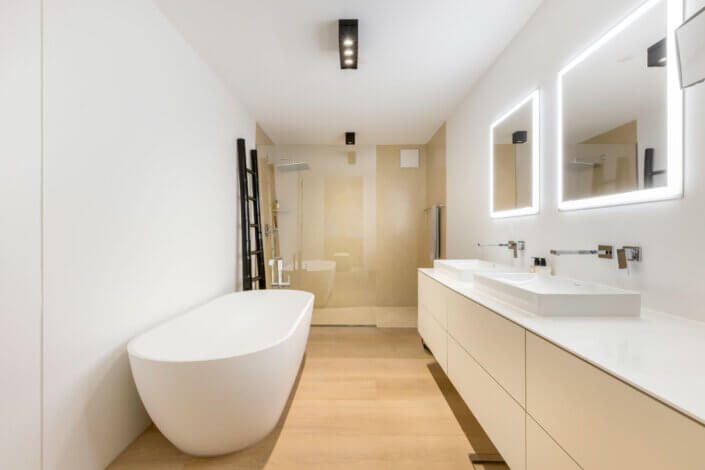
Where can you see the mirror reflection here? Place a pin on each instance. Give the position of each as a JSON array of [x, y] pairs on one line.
[[514, 145], [614, 113]]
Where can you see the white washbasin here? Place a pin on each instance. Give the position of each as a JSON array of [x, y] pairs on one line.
[[560, 296], [465, 269]]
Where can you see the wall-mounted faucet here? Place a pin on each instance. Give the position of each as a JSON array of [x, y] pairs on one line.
[[512, 245], [603, 251], [624, 254], [628, 253], [278, 282]]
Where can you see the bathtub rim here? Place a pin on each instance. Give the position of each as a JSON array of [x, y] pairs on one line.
[[308, 306]]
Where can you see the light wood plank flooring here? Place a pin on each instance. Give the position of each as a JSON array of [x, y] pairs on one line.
[[382, 317], [366, 398]]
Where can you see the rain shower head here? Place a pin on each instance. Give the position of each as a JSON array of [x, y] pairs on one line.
[[293, 166]]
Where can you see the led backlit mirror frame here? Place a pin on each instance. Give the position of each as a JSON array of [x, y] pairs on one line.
[[674, 188], [535, 137]]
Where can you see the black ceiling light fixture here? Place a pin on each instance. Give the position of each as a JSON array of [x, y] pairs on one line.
[[349, 138], [347, 43], [656, 54], [520, 137]]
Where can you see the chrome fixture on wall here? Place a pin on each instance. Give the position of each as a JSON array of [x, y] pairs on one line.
[[628, 253], [603, 251], [437, 205], [277, 265], [512, 245]]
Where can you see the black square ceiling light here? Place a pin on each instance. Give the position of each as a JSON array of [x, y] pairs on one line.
[[520, 137], [347, 43], [656, 54]]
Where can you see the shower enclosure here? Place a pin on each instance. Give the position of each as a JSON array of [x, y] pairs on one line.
[[323, 217]]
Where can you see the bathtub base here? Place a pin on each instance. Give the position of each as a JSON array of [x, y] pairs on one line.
[[216, 407]]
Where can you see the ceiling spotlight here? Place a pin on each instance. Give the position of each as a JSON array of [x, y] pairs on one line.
[[348, 43], [520, 137]]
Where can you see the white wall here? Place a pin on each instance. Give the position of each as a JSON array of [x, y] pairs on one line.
[[671, 233], [20, 238], [139, 214]]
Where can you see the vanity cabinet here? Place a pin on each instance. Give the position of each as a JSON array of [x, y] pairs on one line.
[[542, 452], [500, 415], [494, 342], [543, 407], [603, 422], [432, 296], [434, 335]]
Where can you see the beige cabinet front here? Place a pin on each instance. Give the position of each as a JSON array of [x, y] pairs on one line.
[[434, 336], [494, 342], [432, 295], [542, 452], [601, 422], [499, 414]]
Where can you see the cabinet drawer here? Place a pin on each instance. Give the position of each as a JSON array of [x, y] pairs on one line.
[[432, 295], [422, 313], [542, 452], [434, 336], [499, 414], [494, 342], [602, 422]]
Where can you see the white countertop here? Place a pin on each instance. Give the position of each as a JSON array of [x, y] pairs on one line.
[[661, 355]]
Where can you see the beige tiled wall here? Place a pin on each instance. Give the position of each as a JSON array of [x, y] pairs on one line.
[[402, 235], [268, 193], [362, 204], [618, 173], [505, 195]]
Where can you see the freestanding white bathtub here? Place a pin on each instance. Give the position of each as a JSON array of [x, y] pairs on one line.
[[216, 379]]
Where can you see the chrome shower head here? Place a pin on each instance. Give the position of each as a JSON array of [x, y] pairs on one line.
[[293, 166]]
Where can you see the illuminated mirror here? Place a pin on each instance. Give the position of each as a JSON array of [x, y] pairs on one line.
[[621, 114], [514, 160]]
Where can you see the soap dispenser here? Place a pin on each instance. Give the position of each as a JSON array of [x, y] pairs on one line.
[[544, 268], [534, 268]]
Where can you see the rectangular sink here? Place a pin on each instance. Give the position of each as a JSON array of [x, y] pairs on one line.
[[560, 296], [465, 269]]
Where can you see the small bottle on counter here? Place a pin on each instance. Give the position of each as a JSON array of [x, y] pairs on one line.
[[540, 266], [536, 263], [544, 268]]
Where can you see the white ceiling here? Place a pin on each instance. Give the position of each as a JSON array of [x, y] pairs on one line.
[[418, 58]]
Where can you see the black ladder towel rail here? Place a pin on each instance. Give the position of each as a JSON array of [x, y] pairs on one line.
[[250, 280]]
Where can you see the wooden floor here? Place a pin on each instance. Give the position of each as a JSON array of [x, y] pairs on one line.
[[382, 317], [366, 398]]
